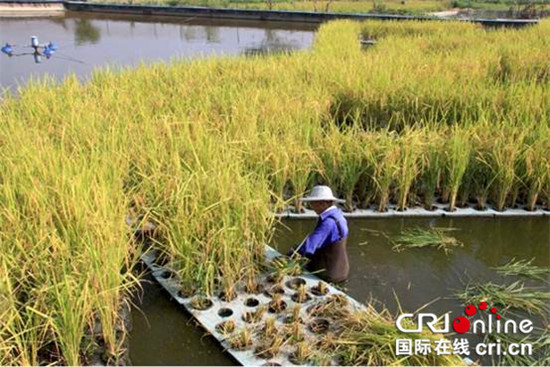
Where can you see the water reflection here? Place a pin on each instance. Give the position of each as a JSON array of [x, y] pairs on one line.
[[271, 44], [212, 34], [86, 32], [86, 42]]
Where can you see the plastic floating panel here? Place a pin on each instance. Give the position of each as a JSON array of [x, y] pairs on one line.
[[226, 320], [440, 210]]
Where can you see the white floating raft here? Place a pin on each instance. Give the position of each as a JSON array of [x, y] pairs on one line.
[[419, 212], [218, 311], [245, 302]]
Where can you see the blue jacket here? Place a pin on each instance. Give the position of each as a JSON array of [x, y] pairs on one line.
[[331, 227]]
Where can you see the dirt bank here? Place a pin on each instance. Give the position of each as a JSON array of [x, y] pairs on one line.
[[30, 10]]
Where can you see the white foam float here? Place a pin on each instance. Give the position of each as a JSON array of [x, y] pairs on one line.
[[417, 212], [220, 311]]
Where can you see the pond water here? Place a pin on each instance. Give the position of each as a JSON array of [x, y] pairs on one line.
[[421, 275], [428, 278], [88, 41], [416, 277], [164, 334]]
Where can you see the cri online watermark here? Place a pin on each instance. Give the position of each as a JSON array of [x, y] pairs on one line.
[[460, 346]]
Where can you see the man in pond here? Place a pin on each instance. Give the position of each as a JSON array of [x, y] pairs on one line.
[[325, 247]]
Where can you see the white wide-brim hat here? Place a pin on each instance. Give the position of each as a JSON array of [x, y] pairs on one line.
[[321, 193]]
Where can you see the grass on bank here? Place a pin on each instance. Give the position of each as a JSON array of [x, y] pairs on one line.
[[412, 7], [207, 149]]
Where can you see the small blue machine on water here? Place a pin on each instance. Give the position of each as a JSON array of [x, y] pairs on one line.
[[39, 50]]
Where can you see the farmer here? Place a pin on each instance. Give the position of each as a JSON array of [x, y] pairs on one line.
[[325, 247]]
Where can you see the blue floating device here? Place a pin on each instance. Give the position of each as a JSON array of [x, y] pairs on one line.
[[52, 46], [48, 52], [7, 49]]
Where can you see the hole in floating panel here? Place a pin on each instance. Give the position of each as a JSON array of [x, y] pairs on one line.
[[319, 291], [295, 283], [201, 303], [319, 326], [277, 306], [167, 274], [300, 298], [225, 312], [276, 289], [251, 302]]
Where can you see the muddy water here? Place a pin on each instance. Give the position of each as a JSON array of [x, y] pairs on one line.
[[428, 277], [164, 334], [88, 41], [415, 276]]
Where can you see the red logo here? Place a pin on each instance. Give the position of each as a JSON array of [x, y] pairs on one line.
[[461, 324]]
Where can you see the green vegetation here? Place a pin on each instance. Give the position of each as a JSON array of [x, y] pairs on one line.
[[515, 296], [525, 269], [539, 340], [206, 150], [413, 7], [419, 238], [515, 301], [66, 250]]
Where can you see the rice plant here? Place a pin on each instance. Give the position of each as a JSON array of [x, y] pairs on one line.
[[457, 159], [385, 160], [515, 296], [226, 327], [367, 337], [502, 160], [287, 265], [302, 354], [269, 329], [536, 165], [343, 162], [409, 165], [255, 316], [539, 343], [277, 304], [269, 347], [431, 168], [420, 238], [241, 340], [524, 268]]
